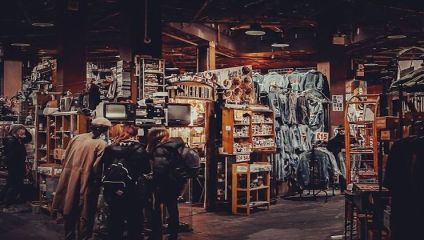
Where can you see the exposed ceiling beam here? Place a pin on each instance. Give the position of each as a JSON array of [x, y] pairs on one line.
[[204, 6]]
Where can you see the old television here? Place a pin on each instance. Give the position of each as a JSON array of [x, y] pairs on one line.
[[178, 114], [117, 111]]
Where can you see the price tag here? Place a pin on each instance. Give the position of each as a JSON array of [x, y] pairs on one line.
[[321, 136], [242, 158]]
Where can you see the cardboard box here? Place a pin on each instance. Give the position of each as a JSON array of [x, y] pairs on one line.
[[388, 134], [387, 122]]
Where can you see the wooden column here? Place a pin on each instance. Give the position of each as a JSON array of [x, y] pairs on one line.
[[141, 33], [12, 78], [71, 45], [206, 57]]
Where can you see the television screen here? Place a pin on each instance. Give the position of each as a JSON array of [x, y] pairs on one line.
[[179, 114], [115, 111]]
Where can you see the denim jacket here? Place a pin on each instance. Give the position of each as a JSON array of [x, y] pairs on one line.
[[274, 78], [322, 170]]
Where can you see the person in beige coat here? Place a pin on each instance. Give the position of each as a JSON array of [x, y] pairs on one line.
[[79, 183]]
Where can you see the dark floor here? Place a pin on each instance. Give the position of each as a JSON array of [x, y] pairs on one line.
[[287, 220]]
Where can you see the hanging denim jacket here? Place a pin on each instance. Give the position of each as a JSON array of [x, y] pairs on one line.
[[284, 107], [321, 174], [292, 97], [315, 80], [274, 79], [295, 138], [305, 137], [316, 114], [295, 80], [302, 111], [286, 137], [274, 103]]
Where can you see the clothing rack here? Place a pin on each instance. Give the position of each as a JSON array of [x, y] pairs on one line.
[[313, 182], [288, 90], [289, 70]]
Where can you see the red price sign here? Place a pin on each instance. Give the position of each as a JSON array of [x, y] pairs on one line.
[[321, 136]]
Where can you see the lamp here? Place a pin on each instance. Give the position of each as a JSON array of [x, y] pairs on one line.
[[255, 30]]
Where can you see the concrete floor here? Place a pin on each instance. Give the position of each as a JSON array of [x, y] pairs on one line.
[[287, 220]]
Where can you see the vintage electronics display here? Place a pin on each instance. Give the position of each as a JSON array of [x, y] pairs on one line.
[[196, 135], [116, 111], [178, 114], [151, 74]]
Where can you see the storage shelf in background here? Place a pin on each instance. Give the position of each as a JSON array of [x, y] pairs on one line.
[[270, 123]]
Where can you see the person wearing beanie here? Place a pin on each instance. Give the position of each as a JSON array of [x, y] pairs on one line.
[[79, 183], [15, 152]]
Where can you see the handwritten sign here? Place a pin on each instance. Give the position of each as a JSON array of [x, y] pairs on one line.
[[321, 136], [337, 101]]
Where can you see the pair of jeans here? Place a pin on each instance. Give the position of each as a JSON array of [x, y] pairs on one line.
[[168, 197], [127, 208]]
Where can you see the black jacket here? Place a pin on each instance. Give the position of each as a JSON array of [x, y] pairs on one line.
[[15, 152], [134, 154], [162, 158]]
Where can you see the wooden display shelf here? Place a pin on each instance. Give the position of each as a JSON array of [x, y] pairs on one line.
[[260, 198], [241, 137], [255, 204]]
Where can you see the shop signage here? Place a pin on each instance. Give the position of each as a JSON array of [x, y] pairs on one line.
[[321, 136], [337, 102]]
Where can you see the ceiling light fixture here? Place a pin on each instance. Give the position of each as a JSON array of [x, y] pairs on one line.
[[42, 24], [20, 44], [396, 36], [255, 30], [371, 64], [280, 45]]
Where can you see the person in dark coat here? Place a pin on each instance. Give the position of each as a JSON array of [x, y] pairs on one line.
[[127, 206], [167, 188], [15, 152]]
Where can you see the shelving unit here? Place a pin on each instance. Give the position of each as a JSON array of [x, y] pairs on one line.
[[250, 186], [151, 79], [247, 136], [263, 133], [53, 134], [362, 157]]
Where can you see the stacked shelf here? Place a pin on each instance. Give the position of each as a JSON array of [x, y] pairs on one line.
[[250, 186]]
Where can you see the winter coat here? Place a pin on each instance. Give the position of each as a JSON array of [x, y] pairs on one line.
[[79, 182], [162, 157], [15, 152]]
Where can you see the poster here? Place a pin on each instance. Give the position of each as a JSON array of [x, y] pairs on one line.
[[337, 101]]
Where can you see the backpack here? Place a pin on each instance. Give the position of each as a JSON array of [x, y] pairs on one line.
[[117, 178], [186, 163]]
